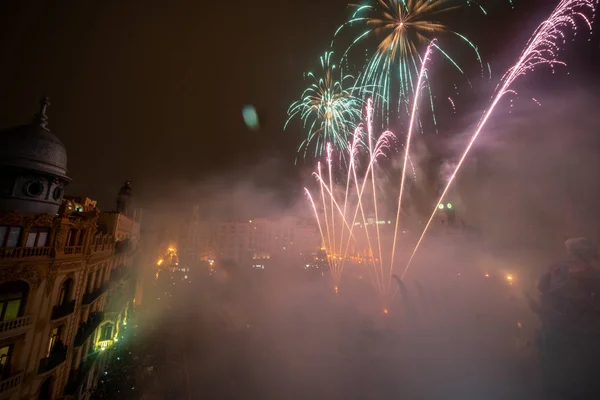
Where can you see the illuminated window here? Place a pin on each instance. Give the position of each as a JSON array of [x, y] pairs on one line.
[[65, 292], [37, 237], [9, 236], [5, 353], [12, 299], [54, 339], [106, 332]]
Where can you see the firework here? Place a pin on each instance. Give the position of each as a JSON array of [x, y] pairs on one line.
[[327, 108], [402, 28], [338, 210], [422, 75], [542, 49], [360, 197]]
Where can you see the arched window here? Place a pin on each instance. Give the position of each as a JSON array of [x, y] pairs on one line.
[[46, 389], [106, 332], [65, 292], [13, 296]]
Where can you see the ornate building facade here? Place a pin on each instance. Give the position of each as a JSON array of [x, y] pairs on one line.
[[66, 271]]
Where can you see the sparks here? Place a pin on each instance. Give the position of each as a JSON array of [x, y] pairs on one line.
[[402, 28], [542, 49], [327, 108]]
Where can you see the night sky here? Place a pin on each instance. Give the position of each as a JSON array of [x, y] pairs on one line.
[[153, 93]]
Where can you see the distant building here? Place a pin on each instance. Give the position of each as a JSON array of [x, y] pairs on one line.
[[66, 271], [249, 242]]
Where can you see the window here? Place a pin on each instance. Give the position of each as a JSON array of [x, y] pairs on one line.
[[65, 292], [37, 237], [12, 299], [72, 238], [106, 332], [54, 339], [90, 282], [9, 236], [5, 353], [99, 277]]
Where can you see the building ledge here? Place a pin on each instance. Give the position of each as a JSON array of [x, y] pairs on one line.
[[87, 328], [49, 363], [11, 385], [63, 310], [88, 298], [72, 250], [15, 327], [24, 252]]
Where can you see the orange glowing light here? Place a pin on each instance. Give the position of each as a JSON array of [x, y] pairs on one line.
[[336, 289], [385, 310], [160, 261]]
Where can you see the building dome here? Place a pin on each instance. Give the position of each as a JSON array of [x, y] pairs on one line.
[[33, 164]]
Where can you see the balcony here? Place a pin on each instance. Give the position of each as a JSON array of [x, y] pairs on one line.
[[14, 327], [63, 310], [11, 385], [104, 247], [57, 357], [104, 344], [88, 298], [123, 247], [24, 252], [88, 327], [79, 375], [73, 250]]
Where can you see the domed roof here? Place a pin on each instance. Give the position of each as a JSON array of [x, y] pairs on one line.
[[33, 146]]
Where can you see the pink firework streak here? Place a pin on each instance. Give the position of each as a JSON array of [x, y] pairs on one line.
[[422, 74], [542, 49]]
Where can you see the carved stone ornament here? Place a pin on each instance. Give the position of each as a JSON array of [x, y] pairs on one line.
[[13, 218], [22, 272], [44, 220], [61, 238]]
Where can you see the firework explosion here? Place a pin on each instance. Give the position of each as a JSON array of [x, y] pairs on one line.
[[327, 108], [402, 28], [542, 49], [349, 219]]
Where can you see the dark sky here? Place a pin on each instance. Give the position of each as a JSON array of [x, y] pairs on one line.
[[152, 90]]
